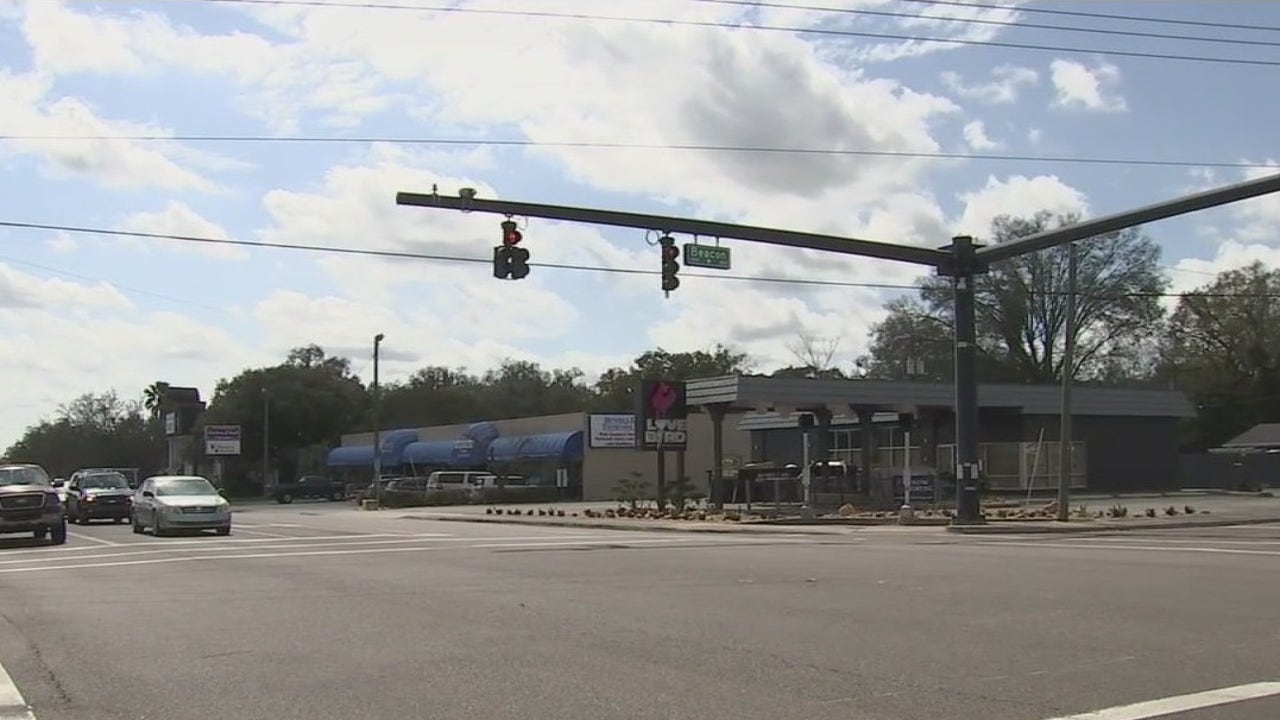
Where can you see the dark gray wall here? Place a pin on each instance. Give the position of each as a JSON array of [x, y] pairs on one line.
[[1229, 472]]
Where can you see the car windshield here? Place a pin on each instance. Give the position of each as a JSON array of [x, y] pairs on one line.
[[185, 486], [24, 475], [105, 481]]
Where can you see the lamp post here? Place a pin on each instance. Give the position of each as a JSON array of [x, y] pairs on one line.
[[377, 407], [266, 437]]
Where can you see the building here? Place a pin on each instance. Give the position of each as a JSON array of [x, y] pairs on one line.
[[1123, 439], [1249, 461], [586, 454]]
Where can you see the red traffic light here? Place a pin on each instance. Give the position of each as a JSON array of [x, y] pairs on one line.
[[510, 235], [670, 253]]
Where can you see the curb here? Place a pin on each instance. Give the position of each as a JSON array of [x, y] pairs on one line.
[[1054, 529], [740, 529]]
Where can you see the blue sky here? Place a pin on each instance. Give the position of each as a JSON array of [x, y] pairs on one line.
[[109, 312]]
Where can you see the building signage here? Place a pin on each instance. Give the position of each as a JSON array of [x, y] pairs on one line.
[[663, 416], [612, 430], [222, 440]]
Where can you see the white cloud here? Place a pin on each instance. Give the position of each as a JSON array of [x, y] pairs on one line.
[[21, 292], [28, 110], [1006, 83], [1019, 196], [178, 219], [975, 135], [1083, 88], [62, 243]]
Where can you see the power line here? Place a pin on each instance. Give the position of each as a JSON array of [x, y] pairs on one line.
[[406, 255], [1101, 16], [549, 14], [587, 145], [994, 23]]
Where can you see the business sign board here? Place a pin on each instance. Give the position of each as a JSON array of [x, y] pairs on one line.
[[613, 430], [222, 440], [663, 415]]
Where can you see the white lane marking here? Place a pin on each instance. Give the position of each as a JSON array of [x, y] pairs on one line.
[[1181, 703], [361, 551], [91, 538], [1145, 548], [12, 706], [1178, 541], [242, 529], [224, 549]]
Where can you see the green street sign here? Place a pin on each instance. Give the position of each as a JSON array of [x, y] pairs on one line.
[[706, 256]]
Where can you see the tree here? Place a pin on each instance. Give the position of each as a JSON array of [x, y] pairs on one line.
[[154, 397], [815, 358], [910, 343], [92, 431], [616, 386], [1021, 309], [1223, 349], [312, 399], [519, 388]]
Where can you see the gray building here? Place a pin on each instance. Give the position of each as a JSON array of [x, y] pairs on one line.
[[1123, 439]]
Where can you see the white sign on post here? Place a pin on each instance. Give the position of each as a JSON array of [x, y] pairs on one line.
[[222, 440], [612, 431]]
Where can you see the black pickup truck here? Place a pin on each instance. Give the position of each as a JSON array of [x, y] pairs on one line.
[[311, 486]]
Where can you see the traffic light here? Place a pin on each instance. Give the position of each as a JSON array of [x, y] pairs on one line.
[[670, 264], [510, 261]]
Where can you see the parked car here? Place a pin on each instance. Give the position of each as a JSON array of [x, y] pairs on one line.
[[29, 503], [98, 495], [179, 502], [311, 487]]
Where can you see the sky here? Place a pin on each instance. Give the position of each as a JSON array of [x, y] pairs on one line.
[[103, 106]]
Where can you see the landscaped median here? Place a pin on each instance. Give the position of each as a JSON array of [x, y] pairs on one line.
[[1117, 518]]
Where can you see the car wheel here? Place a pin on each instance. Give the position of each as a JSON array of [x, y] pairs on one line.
[[285, 499], [224, 530], [137, 526], [156, 530], [58, 533], [82, 517], [117, 520], [40, 533]]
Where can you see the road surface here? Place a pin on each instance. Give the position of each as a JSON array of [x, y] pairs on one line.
[[315, 611]]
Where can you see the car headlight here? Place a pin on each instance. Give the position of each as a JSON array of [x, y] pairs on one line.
[[175, 509], [89, 498]]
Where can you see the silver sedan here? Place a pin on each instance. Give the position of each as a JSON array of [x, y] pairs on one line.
[[179, 502]]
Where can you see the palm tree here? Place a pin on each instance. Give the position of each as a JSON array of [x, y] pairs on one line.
[[153, 397]]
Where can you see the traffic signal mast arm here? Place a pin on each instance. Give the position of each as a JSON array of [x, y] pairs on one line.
[[687, 226]]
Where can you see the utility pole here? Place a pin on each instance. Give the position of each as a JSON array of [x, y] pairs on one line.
[[1068, 376], [377, 413], [266, 437], [962, 261]]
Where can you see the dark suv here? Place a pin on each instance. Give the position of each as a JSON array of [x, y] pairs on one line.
[[29, 503], [98, 494]]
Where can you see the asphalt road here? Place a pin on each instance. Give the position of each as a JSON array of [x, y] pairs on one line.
[[316, 611]]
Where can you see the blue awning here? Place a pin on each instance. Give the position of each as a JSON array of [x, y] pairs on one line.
[[394, 443], [437, 452], [351, 456], [566, 447]]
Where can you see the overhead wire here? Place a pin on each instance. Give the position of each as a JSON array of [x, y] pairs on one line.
[[680, 147], [860, 12], [825, 32], [1099, 16], [439, 257]]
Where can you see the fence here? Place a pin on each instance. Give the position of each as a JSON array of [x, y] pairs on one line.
[[1005, 465]]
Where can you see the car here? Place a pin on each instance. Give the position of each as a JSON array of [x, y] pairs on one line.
[[179, 502], [100, 494], [29, 503]]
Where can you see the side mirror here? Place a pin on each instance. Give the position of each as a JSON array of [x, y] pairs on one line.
[[148, 493], [59, 482], [222, 492]]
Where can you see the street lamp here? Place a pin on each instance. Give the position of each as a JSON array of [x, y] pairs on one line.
[[377, 406], [266, 436]]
